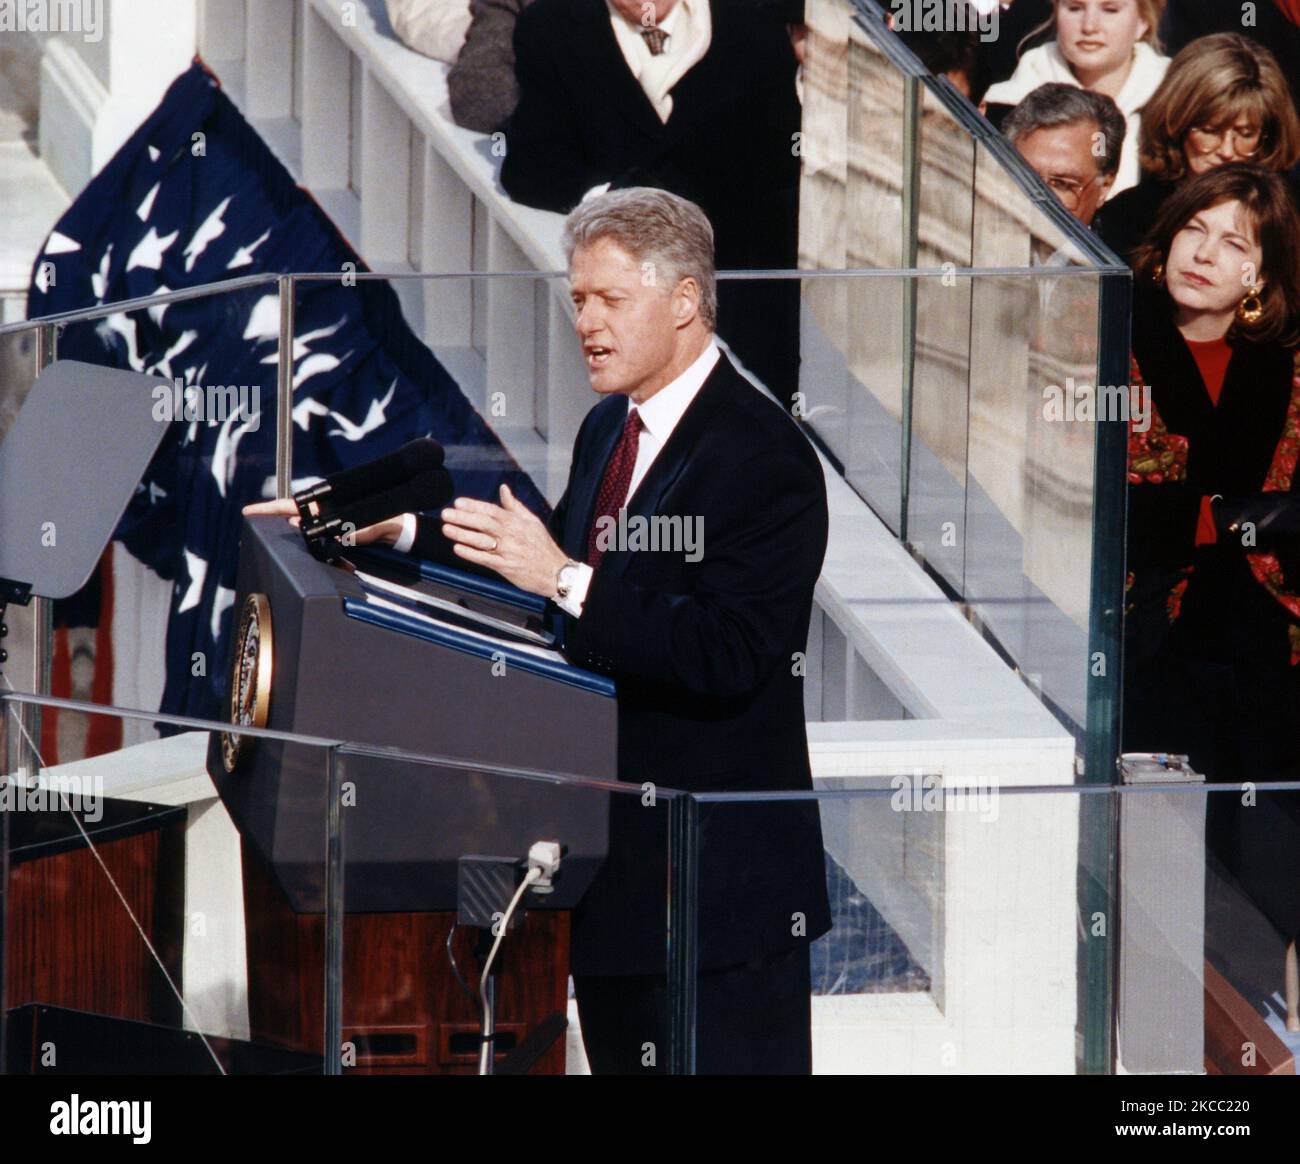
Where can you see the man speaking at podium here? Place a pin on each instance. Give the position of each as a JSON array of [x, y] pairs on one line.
[[704, 641]]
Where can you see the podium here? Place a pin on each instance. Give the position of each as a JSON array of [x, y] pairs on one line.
[[395, 655], [403, 658]]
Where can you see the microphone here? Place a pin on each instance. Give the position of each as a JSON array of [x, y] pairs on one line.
[[384, 472], [412, 478], [431, 489]]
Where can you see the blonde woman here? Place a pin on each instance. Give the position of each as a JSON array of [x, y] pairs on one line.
[[1108, 46], [1276, 26], [1224, 100]]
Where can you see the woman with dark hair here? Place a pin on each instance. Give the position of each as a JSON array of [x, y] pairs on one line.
[[1224, 100], [1212, 606]]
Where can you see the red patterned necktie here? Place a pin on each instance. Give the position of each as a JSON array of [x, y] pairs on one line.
[[613, 486]]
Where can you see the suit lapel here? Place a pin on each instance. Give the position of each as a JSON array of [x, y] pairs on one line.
[[674, 456], [599, 58], [582, 504]]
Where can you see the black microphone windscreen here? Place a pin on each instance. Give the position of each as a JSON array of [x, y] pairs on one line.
[[431, 489], [381, 474]]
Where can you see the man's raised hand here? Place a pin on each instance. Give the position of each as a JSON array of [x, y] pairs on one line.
[[508, 538]]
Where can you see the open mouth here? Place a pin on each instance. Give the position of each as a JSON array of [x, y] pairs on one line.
[[598, 356]]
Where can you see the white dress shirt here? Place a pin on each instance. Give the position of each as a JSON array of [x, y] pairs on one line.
[[659, 416]]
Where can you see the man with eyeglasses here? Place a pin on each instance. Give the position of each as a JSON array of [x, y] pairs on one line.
[[1072, 139]]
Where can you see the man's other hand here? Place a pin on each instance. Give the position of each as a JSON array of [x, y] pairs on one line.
[[384, 532], [508, 538]]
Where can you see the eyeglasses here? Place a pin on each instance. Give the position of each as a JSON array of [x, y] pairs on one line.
[[1245, 142], [1068, 190]]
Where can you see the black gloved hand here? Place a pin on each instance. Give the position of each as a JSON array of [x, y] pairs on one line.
[[1273, 517]]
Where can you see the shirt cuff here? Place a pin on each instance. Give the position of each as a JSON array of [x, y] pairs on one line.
[[406, 539], [577, 595], [595, 190]]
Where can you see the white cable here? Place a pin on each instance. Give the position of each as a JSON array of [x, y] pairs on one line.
[[532, 875]]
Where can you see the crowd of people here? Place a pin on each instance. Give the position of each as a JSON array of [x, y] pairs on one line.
[[1171, 130], [1168, 127]]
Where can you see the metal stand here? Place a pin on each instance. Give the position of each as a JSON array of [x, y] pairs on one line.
[[487, 1041], [522, 1058]]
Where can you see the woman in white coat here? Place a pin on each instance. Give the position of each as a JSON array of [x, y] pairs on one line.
[[1108, 46]]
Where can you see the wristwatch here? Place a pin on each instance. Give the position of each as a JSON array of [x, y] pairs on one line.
[[565, 577]]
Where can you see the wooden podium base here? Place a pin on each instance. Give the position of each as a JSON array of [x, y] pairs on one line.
[[71, 942], [403, 1011]]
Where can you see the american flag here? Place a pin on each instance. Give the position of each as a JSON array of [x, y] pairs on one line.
[[195, 197]]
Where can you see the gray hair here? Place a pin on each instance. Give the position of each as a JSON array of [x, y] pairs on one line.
[[1057, 104], [656, 227]]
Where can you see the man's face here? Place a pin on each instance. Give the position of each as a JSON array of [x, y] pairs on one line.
[[1062, 156], [625, 321]]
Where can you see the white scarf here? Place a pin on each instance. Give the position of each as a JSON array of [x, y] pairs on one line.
[[1044, 64]]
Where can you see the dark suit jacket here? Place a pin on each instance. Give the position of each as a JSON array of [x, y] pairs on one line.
[[708, 695], [1123, 221], [583, 119]]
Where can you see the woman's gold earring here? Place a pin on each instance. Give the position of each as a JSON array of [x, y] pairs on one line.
[[1158, 274], [1251, 309]]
